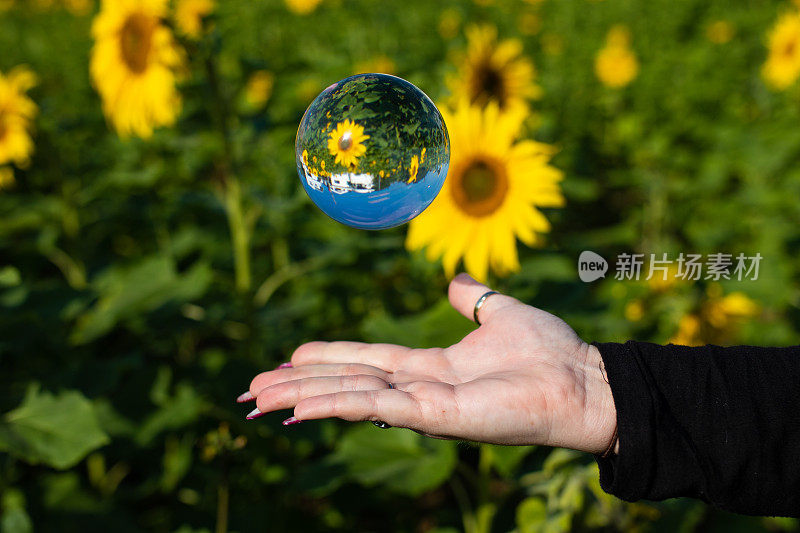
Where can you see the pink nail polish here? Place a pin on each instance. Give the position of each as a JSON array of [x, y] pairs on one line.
[[284, 365], [255, 413], [290, 421], [246, 397]]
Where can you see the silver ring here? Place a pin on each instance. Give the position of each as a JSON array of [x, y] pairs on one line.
[[380, 423], [479, 304]]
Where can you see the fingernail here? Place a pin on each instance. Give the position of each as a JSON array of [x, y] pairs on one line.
[[290, 421], [284, 365], [246, 397], [255, 413]]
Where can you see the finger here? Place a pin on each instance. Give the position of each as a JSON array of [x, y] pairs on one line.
[[383, 356], [289, 393], [464, 292], [395, 407], [272, 377]]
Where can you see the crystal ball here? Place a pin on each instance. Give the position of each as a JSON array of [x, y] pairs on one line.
[[372, 151]]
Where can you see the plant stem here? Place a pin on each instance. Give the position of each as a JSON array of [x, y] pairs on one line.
[[240, 234], [232, 191], [467, 515], [73, 271], [223, 498], [478, 519], [486, 509], [287, 273]]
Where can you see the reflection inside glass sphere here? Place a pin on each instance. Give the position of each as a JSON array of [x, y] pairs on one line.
[[372, 151]]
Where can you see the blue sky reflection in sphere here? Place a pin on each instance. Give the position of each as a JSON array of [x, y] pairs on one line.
[[372, 151]]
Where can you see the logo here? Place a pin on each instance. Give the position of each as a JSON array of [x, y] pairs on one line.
[[591, 266]]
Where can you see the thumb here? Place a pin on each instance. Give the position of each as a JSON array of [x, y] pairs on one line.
[[464, 292]]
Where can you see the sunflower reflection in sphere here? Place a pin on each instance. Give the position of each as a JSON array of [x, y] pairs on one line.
[[372, 151], [347, 143]]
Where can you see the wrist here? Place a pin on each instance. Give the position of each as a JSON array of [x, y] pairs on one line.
[[600, 414]]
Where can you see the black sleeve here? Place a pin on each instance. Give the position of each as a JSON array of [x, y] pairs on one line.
[[719, 424]]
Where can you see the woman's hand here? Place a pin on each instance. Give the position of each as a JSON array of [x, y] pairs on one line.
[[522, 377]]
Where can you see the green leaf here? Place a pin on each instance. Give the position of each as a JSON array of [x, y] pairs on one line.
[[56, 430], [177, 461], [179, 411], [440, 326], [111, 420], [531, 515], [14, 517], [505, 459], [9, 277], [63, 491], [398, 459], [559, 458], [410, 128], [319, 478], [129, 291], [572, 496]]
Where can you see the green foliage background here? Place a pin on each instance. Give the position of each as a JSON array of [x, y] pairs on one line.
[[127, 327]]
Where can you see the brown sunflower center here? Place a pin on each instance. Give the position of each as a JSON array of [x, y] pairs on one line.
[[345, 141], [790, 48], [480, 188], [136, 39], [488, 84], [6, 116]]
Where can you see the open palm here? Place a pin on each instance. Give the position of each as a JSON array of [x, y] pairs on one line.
[[522, 377]]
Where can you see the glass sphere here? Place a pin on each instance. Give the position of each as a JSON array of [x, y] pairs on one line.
[[372, 151]]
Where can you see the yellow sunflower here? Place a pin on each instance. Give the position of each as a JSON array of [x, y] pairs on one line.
[[689, 332], [494, 72], [381, 63], [725, 311], [302, 7], [189, 15], [616, 64], [718, 319], [346, 142], [634, 310], [491, 196], [783, 64], [259, 88], [134, 65], [17, 111], [413, 169]]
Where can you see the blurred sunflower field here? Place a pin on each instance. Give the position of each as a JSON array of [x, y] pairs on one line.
[[157, 249]]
